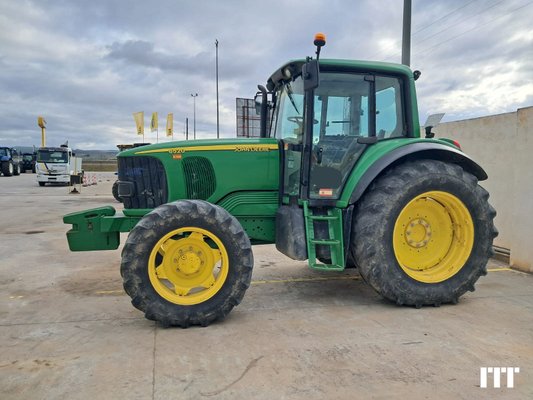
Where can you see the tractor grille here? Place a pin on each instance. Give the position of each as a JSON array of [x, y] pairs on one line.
[[199, 177], [148, 177]]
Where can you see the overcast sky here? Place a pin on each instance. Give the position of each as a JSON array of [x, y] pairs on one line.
[[86, 66]]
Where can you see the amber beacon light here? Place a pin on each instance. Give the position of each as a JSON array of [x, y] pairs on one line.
[[320, 40]]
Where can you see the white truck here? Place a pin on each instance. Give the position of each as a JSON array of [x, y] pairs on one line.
[[58, 165]]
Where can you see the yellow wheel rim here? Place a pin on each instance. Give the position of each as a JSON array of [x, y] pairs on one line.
[[433, 237], [188, 266]]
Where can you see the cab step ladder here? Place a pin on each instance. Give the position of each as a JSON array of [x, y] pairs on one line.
[[335, 241]]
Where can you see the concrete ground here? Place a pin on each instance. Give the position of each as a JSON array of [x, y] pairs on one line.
[[68, 331]]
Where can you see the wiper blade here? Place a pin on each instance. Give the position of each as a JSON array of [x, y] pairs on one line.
[[289, 93]]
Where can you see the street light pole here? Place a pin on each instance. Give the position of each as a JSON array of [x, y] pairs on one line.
[[406, 34], [218, 122], [194, 96]]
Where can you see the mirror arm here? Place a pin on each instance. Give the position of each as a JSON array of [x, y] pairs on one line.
[[264, 113]]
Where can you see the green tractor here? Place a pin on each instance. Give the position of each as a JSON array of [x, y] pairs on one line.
[[340, 176]]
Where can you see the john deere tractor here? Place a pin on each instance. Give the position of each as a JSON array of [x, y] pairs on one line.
[[340, 176]]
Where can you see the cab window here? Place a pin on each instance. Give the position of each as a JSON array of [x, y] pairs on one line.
[[389, 108]]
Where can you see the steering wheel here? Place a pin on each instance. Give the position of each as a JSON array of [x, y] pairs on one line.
[[296, 119], [299, 120]]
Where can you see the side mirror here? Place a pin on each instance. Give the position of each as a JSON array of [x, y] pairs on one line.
[[431, 122], [258, 100], [311, 75]]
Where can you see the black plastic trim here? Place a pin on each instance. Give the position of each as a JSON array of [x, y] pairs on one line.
[[281, 183], [415, 151]]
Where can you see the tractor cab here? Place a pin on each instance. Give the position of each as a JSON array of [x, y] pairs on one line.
[[327, 114], [327, 125]]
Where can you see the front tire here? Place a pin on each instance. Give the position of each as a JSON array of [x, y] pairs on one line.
[[423, 233], [187, 263]]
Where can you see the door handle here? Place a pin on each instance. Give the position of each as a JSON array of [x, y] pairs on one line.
[[319, 152]]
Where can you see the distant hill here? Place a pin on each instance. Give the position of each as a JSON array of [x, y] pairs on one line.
[[96, 155], [25, 149]]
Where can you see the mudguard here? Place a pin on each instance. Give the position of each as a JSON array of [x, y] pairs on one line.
[[416, 151]]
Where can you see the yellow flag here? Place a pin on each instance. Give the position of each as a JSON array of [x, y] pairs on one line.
[[170, 124], [139, 122], [153, 124]]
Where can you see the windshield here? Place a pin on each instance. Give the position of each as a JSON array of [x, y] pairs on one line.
[[290, 118], [3, 152], [52, 156], [341, 108]]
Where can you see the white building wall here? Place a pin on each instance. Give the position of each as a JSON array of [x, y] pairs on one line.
[[503, 145]]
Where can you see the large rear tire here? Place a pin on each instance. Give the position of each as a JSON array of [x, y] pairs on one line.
[[423, 233], [187, 263], [7, 168]]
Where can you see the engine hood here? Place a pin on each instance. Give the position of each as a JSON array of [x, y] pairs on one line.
[[179, 147]]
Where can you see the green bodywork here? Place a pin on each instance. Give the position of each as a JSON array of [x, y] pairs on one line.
[[248, 179], [251, 194]]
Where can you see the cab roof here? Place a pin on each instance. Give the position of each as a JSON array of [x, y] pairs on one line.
[[295, 68]]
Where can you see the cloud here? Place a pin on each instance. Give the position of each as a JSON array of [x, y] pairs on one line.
[[143, 54], [87, 66]]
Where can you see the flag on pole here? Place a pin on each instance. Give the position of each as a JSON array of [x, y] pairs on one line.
[[170, 124], [139, 122], [153, 124]]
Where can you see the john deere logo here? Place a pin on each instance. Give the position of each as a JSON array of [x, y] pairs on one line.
[[251, 148]]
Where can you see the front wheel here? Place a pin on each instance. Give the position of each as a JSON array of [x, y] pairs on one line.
[[187, 263], [423, 233]]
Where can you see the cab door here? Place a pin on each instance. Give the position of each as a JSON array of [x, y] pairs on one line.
[[352, 111], [341, 121]]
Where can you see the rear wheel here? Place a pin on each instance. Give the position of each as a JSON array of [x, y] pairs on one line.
[[187, 263], [423, 233], [7, 168], [16, 170]]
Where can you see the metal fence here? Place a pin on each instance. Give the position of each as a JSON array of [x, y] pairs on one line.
[[248, 120]]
